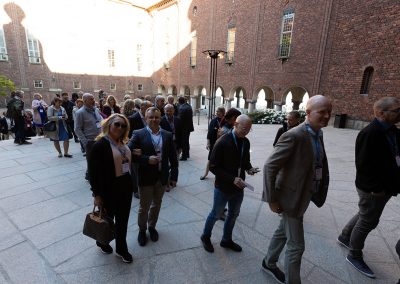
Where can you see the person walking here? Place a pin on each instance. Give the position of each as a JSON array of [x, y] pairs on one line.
[[377, 178], [58, 114], [186, 116], [295, 173], [229, 162], [158, 165], [109, 175], [293, 119]]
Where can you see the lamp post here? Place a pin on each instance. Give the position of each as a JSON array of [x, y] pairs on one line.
[[214, 55]]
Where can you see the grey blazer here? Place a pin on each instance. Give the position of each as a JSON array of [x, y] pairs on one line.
[[289, 173]]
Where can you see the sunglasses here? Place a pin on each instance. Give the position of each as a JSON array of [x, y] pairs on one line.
[[120, 125]]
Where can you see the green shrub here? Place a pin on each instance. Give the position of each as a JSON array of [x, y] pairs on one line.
[[271, 116]]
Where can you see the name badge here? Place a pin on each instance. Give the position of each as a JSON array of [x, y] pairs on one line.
[[318, 174], [125, 168], [398, 160], [98, 125], [41, 110]]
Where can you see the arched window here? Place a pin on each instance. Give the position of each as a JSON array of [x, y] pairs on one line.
[[366, 80]]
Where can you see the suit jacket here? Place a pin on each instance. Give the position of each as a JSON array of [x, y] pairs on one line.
[[377, 170], [164, 124], [213, 127], [186, 116], [289, 173], [225, 162], [101, 168], [135, 122], [149, 174]]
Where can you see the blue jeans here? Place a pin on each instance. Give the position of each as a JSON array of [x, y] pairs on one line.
[[220, 199]]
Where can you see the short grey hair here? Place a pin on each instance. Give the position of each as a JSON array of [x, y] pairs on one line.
[[87, 96]]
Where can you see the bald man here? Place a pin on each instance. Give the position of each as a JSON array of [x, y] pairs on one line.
[[229, 160], [296, 173], [377, 178]]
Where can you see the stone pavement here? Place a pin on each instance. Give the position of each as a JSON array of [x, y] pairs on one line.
[[44, 200]]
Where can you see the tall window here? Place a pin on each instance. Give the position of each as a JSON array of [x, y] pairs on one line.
[[193, 51], [286, 35], [167, 44], [111, 58], [366, 80], [33, 48], [231, 44], [139, 57], [3, 48]]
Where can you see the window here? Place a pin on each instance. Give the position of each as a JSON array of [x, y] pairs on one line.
[[167, 44], [194, 11], [38, 83], [193, 51], [76, 85], [33, 48], [286, 35], [3, 49], [140, 87], [366, 80], [111, 58], [139, 57], [231, 44], [113, 86]]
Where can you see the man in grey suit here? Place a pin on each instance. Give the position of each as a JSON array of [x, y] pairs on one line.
[[295, 174]]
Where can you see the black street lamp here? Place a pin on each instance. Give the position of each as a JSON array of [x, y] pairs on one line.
[[214, 55]]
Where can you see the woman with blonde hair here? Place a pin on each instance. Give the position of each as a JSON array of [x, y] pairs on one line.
[[111, 106], [58, 114], [109, 167]]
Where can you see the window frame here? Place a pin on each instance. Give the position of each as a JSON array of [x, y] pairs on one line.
[[33, 54], [193, 51], [38, 86], [286, 35], [140, 87], [75, 87], [230, 44], [113, 86], [366, 80], [111, 57], [3, 49]]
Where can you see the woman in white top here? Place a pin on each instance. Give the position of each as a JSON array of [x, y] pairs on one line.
[[39, 108]]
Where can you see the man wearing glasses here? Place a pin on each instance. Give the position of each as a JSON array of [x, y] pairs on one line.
[[377, 178]]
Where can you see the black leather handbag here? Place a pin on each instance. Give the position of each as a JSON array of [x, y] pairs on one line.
[[50, 126], [99, 227]]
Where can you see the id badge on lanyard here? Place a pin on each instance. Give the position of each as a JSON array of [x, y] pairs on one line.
[[125, 167]]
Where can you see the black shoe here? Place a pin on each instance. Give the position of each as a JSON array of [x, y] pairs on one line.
[[25, 143], [361, 266], [183, 159], [274, 272], [86, 176], [28, 138], [343, 241], [207, 243], [142, 238], [153, 234], [76, 140], [125, 256], [202, 177], [231, 245], [136, 194], [107, 249]]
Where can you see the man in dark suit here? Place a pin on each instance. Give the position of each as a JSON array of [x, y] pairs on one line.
[[170, 100], [377, 178], [160, 103], [158, 166], [172, 124], [229, 161], [292, 120], [137, 120], [186, 116], [295, 173]]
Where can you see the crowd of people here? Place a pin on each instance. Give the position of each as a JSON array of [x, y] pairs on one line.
[[133, 149]]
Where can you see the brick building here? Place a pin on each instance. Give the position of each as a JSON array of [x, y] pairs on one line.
[[346, 50]]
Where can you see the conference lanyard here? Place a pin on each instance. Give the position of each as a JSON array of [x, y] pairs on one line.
[[317, 144], [241, 154]]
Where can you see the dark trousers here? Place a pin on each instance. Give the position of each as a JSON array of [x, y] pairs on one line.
[[357, 229], [185, 144], [71, 127], [88, 149], [134, 169], [118, 207], [19, 124]]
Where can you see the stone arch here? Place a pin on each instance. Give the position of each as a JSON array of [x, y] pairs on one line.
[[263, 98], [237, 96], [172, 90], [219, 96], [293, 97], [184, 91], [161, 90]]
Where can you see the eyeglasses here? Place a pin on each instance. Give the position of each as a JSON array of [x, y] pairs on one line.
[[120, 125], [397, 110]]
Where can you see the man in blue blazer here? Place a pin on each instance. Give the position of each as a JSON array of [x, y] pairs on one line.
[[172, 124], [158, 169]]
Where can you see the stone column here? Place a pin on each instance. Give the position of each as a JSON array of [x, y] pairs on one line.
[[252, 106], [193, 103], [270, 103], [278, 106], [228, 104], [296, 104]]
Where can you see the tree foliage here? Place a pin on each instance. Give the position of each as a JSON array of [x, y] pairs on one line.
[[6, 86]]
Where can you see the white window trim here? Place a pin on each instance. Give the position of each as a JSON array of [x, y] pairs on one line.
[[140, 89], [193, 51], [111, 57], [3, 55], [229, 59], [33, 59], [115, 86], [34, 84], [286, 16], [76, 88]]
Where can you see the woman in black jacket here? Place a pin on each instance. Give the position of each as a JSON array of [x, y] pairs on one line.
[[110, 179]]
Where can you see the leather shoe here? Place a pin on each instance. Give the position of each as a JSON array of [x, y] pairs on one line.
[[153, 234], [142, 238], [207, 243], [231, 245], [107, 249], [183, 159], [125, 256]]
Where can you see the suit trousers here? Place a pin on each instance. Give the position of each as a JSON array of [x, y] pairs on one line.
[[19, 124], [290, 232], [185, 143], [357, 229], [150, 205], [118, 206]]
